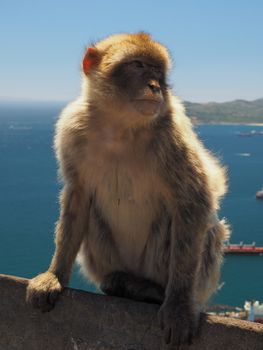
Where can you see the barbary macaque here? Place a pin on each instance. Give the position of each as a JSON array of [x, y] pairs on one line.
[[141, 193]]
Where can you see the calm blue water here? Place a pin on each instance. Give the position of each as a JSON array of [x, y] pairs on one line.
[[29, 199]]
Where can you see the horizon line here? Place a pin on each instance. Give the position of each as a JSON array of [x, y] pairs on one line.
[[7, 99]]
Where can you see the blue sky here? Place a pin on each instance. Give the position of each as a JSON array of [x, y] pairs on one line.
[[216, 45]]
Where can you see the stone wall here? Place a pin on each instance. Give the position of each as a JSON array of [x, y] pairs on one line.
[[83, 320]]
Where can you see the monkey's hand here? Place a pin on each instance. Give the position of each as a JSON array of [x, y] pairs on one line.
[[43, 291], [179, 323]]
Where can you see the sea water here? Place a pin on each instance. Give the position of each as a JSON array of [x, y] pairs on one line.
[[29, 191]]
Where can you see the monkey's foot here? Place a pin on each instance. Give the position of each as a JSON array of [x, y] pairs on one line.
[[43, 291], [126, 285], [179, 323]]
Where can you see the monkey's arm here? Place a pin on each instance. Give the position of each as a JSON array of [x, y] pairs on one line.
[[44, 289]]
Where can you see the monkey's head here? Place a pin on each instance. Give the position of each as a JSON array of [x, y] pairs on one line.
[[126, 73]]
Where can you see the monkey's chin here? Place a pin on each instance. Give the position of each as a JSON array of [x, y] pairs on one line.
[[148, 107]]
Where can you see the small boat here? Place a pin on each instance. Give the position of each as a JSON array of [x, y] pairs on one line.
[[259, 194], [250, 133]]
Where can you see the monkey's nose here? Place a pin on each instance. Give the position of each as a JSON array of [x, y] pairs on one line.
[[154, 86]]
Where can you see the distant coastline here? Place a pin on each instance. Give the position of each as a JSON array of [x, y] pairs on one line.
[[227, 123], [229, 113]]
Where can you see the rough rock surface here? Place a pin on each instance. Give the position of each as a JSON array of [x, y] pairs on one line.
[[83, 320]]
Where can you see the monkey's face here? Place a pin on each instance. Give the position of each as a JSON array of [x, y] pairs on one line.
[[127, 77], [140, 84]]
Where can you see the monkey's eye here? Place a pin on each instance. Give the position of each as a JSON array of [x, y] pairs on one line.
[[138, 64]]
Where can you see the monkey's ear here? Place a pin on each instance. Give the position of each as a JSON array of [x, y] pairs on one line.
[[91, 59]]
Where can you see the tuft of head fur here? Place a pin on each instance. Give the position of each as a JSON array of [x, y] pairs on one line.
[[116, 48]]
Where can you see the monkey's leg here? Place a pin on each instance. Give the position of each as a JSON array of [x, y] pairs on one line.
[[178, 315], [127, 285], [43, 290], [209, 272]]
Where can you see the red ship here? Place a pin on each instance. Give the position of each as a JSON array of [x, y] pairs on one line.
[[243, 249]]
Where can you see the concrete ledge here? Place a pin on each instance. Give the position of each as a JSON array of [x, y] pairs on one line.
[[86, 321]]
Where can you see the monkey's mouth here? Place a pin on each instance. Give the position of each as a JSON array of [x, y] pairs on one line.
[[150, 100], [148, 106]]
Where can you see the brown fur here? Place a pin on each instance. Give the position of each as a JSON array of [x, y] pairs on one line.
[[141, 191]]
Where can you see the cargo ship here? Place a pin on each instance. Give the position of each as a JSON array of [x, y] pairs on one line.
[[242, 248]]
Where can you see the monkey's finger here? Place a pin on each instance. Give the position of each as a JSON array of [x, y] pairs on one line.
[[43, 302], [181, 337], [34, 301], [190, 339], [32, 298], [160, 320], [29, 296], [167, 335], [53, 296], [193, 332], [48, 307]]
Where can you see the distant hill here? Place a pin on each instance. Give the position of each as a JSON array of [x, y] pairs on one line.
[[238, 111]]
